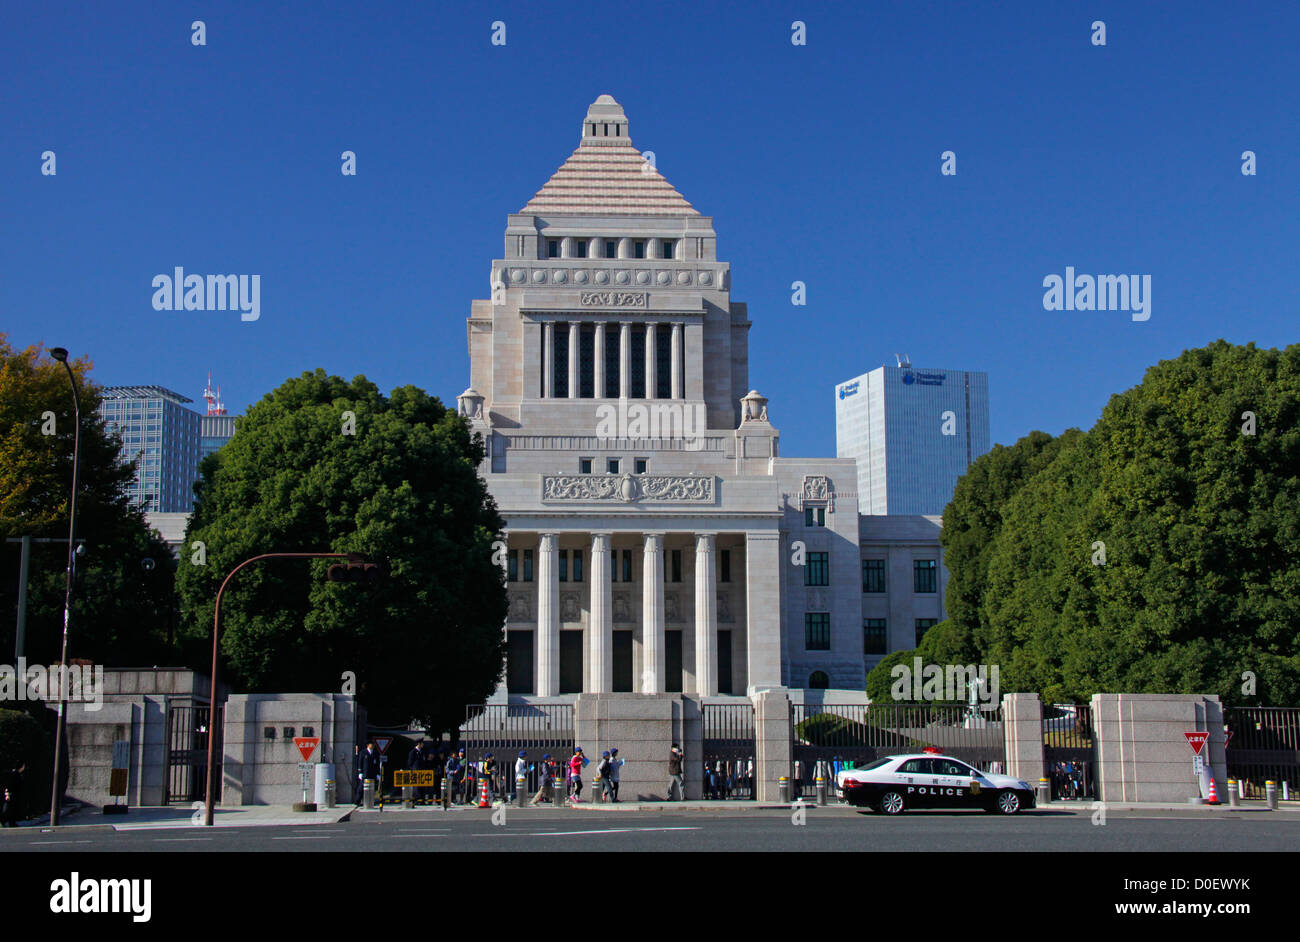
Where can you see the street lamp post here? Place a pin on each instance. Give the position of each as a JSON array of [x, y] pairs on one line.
[[61, 354], [354, 559]]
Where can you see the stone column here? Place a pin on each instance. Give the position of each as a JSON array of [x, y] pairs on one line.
[[677, 361], [706, 617], [763, 608], [771, 742], [548, 618], [1022, 730], [574, 388], [651, 358], [548, 360], [598, 362], [624, 360], [602, 617], [652, 614]]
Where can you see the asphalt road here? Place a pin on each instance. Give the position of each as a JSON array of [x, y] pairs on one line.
[[830, 829]]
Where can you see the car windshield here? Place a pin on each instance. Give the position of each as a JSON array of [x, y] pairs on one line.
[[870, 765]]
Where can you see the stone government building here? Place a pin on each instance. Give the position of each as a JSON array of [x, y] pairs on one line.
[[654, 532]]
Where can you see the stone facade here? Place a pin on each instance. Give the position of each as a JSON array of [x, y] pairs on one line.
[[657, 541]]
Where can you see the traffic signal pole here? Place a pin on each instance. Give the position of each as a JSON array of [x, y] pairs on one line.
[[356, 564]]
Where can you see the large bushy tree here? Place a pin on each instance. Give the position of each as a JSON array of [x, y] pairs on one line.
[[122, 611], [403, 487]]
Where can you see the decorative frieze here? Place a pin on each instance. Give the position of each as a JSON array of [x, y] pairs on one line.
[[613, 298], [818, 490], [630, 488]]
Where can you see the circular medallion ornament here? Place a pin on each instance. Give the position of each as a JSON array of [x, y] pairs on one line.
[[580, 277], [539, 276], [560, 276], [643, 278], [706, 278], [602, 277], [663, 278], [683, 278], [621, 278], [516, 275]]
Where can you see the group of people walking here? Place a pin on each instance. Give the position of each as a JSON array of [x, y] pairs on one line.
[[604, 785]]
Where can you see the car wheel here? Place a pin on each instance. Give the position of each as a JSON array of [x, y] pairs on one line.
[[890, 803], [1008, 802]]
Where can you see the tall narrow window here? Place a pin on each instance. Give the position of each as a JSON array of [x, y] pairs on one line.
[[512, 566], [613, 565], [875, 637], [627, 565], [586, 361], [817, 569], [663, 357], [552, 248], [611, 248], [611, 362], [924, 575], [560, 360], [873, 575], [577, 565], [922, 626], [579, 248], [817, 631], [669, 246], [638, 248], [724, 565], [564, 565], [528, 565], [638, 362]]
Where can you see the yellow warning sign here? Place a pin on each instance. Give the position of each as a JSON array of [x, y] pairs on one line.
[[419, 778]]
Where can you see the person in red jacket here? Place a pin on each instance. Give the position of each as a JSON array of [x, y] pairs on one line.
[[575, 773]]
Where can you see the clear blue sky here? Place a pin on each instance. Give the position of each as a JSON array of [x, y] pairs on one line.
[[818, 163]]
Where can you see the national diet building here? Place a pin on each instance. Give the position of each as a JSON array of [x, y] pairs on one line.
[[657, 540]]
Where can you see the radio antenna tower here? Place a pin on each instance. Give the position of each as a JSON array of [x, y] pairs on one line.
[[213, 399]]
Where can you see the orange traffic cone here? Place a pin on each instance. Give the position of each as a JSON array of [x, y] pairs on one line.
[[1214, 794], [482, 794]]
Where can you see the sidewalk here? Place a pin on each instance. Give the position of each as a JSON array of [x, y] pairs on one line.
[[178, 816]]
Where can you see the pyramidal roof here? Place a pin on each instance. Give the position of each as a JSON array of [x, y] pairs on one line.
[[606, 175]]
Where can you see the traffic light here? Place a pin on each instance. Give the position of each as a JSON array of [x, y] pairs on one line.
[[356, 569]]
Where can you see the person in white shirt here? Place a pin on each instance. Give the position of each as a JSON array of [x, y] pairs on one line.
[[615, 763], [521, 769]]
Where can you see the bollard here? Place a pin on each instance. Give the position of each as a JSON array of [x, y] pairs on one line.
[[558, 795], [329, 793], [1232, 793], [1270, 794], [521, 791], [368, 795], [1044, 792], [408, 796], [783, 789]]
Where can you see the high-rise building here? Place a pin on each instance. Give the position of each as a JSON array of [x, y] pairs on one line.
[[216, 427], [914, 432], [162, 436]]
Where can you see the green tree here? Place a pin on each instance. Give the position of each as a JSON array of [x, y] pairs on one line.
[[121, 611], [1199, 523], [403, 487]]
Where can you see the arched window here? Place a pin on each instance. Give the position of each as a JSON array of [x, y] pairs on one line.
[[819, 681]]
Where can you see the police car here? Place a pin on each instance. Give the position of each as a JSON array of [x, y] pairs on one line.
[[930, 780]]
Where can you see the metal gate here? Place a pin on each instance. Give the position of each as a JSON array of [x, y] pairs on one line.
[[728, 760], [1264, 744], [505, 730], [850, 735], [1070, 751], [187, 751]]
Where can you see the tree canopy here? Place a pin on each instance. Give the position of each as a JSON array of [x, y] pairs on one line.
[[1156, 552], [400, 486], [121, 611]]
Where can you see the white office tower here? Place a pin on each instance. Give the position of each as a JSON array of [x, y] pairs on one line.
[[914, 432]]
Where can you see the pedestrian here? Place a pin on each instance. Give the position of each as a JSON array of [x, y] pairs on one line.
[[11, 797], [615, 763], [545, 771], [415, 762], [603, 772], [465, 784], [521, 771], [451, 783], [676, 780], [576, 764], [489, 775], [439, 764], [368, 769]]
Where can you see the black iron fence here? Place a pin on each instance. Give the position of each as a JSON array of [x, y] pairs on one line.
[[1263, 745], [851, 735], [1069, 751], [727, 769], [184, 779]]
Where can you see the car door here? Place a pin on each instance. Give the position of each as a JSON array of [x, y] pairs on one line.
[[918, 781], [954, 779]]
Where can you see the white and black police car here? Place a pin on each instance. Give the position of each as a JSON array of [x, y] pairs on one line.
[[931, 780]]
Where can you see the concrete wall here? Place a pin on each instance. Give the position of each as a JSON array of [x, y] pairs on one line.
[[1142, 754], [643, 728], [1022, 718], [773, 746], [260, 770]]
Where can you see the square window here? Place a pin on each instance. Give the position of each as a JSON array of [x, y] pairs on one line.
[[924, 573], [875, 636], [817, 569], [612, 465], [584, 466], [638, 248], [579, 248], [817, 631], [873, 575], [641, 465]]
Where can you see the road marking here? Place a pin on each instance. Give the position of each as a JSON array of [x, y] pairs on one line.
[[60, 842], [599, 831], [318, 837], [162, 840]]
